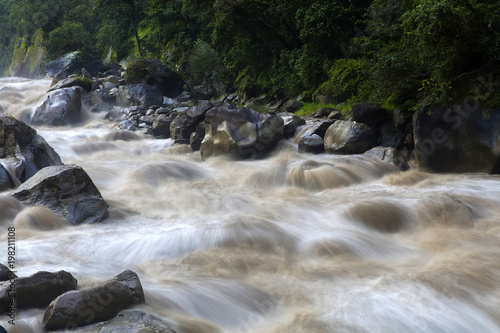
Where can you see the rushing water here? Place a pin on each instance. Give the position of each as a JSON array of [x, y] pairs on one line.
[[292, 243]]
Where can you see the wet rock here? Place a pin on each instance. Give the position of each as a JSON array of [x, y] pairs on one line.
[[154, 73], [311, 144], [183, 97], [87, 306], [291, 106], [335, 115], [161, 126], [72, 63], [197, 137], [68, 191], [457, 139], [132, 321], [240, 133], [21, 143], [6, 181], [391, 136], [323, 112], [185, 123], [291, 122], [73, 82], [349, 137], [59, 108], [6, 274], [369, 113], [115, 115], [389, 155], [139, 94], [102, 107], [37, 290]]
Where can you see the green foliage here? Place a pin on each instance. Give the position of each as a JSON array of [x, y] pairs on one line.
[[138, 70], [205, 65]]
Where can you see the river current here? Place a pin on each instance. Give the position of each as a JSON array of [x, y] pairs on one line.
[[291, 243]]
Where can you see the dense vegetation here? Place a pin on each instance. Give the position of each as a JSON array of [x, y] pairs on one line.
[[396, 52]]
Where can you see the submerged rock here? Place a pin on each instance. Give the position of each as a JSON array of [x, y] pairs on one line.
[[37, 290], [240, 133], [87, 306], [66, 190], [22, 146], [132, 321]]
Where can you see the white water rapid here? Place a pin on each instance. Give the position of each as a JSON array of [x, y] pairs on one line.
[[293, 243]]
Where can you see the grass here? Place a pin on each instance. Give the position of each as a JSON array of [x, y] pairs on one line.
[[309, 108]]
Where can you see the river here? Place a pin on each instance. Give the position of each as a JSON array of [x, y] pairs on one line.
[[291, 243]]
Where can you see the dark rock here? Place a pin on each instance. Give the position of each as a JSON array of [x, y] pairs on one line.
[[291, 122], [153, 72], [323, 112], [6, 274], [86, 74], [256, 102], [149, 120], [161, 126], [183, 97], [164, 111], [133, 321], [139, 94], [389, 155], [185, 123], [6, 181], [58, 77], [115, 115], [401, 117], [462, 138], [126, 125], [335, 115], [21, 143], [370, 114], [291, 106], [37, 290], [321, 128], [72, 63], [311, 144], [390, 136], [197, 137], [87, 306], [102, 107], [349, 137], [66, 190], [202, 93], [240, 133], [60, 107]]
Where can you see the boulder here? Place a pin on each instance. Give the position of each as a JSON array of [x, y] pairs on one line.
[[311, 144], [197, 137], [72, 63], [102, 302], [389, 155], [161, 126], [37, 290], [369, 113], [6, 274], [324, 112], [59, 108], [185, 123], [291, 123], [462, 138], [153, 72], [240, 132], [85, 83], [349, 137], [23, 146], [6, 181], [391, 136], [139, 94], [68, 191], [132, 321], [101, 107], [291, 106]]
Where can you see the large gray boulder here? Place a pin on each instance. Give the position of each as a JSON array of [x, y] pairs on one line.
[[6, 181], [185, 123], [72, 63], [462, 138], [68, 191], [349, 137], [24, 149], [60, 107], [240, 132], [370, 113], [72, 309], [37, 290], [140, 95], [291, 123]]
